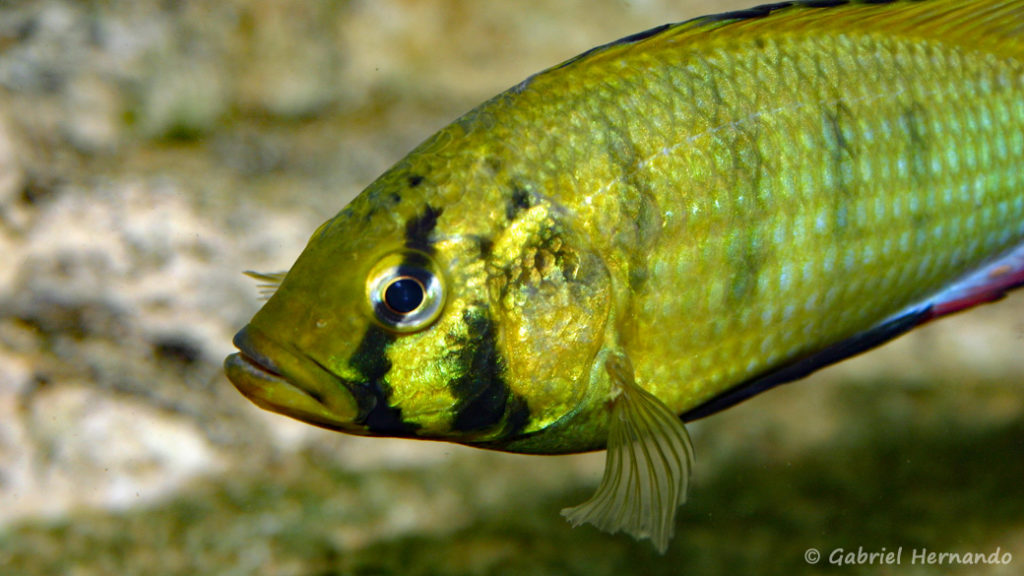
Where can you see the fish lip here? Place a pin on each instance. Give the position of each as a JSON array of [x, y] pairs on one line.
[[251, 377], [256, 364], [249, 369], [292, 385], [253, 367]]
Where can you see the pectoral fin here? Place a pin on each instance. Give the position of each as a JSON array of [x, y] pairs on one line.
[[648, 465]]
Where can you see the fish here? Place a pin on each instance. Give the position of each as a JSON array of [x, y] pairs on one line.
[[657, 229]]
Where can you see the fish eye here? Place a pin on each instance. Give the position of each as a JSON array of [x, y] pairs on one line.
[[404, 295], [404, 292]]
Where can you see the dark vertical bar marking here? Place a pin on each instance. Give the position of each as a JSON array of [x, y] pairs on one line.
[[371, 361], [841, 156], [483, 396], [914, 127], [418, 229]]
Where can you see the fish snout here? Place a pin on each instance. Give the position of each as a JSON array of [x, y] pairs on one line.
[[280, 380]]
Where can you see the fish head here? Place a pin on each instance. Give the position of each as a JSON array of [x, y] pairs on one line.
[[428, 313]]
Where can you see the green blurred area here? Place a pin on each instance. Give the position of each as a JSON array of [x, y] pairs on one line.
[[904, 468]]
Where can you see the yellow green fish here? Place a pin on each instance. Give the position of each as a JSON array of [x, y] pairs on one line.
[[657, 229]]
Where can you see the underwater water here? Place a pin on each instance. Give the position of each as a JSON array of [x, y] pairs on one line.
[[151, 151]]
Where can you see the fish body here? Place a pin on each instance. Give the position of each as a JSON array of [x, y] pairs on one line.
[[661, 227]]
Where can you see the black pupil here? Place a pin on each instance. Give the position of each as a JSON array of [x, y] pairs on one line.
[[404, 295]]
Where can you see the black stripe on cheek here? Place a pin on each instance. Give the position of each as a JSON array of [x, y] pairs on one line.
[[418, 229], [484, 399], [371, 360]]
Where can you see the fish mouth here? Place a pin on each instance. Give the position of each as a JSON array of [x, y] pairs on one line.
[[255, 364], [281, 381]]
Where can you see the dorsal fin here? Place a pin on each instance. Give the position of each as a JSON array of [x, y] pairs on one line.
[[991, 25]]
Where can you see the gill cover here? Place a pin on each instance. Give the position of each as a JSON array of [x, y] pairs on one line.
[[552, 298]]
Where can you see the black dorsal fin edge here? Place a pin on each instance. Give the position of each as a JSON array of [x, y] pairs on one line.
[[760, 11]]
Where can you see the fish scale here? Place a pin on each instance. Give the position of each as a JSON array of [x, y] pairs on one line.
[[657, 229], [818, 219]]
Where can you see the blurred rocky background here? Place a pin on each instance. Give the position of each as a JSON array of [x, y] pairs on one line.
[[152, 150]]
